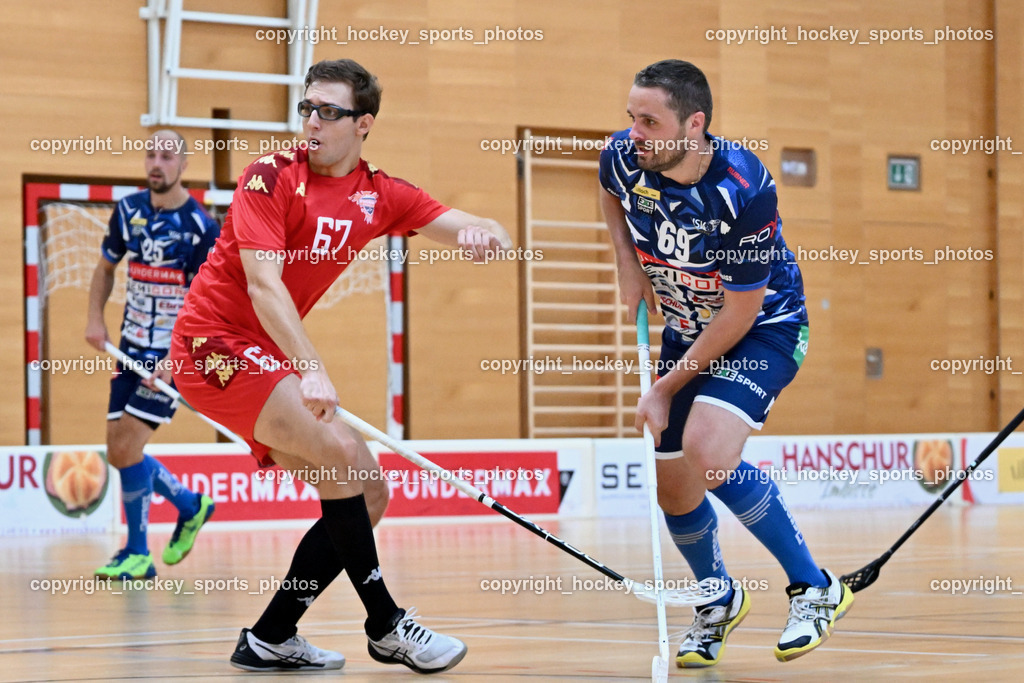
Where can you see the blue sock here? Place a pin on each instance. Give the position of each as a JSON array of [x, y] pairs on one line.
[[168, 486], [756, 501], [136, 490], [696, 536]]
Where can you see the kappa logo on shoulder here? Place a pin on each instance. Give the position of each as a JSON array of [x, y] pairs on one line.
[[256, 184], [367, 202]]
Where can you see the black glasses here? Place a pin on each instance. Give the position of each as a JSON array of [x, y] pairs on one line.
[[327, 112]]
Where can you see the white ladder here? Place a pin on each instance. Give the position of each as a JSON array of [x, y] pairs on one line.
[[571, 308], [165, 70]]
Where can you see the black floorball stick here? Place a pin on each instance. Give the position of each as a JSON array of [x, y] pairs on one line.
[[693, 594], [868, 574]]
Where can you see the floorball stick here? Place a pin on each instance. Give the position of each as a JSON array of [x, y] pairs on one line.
[[868, 574], [659, 666], [695, 594], [163, 386]]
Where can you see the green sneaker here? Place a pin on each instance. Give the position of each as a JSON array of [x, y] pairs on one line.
[[127, 565], [185, 533]]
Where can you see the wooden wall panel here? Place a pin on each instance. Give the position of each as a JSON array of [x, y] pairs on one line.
[[1009, 291], [853, 104]]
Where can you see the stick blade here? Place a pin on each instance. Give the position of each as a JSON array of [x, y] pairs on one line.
[[692, 594], [863, 577], [659, 670]]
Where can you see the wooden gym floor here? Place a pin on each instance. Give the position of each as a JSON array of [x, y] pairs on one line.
[[900, 628]]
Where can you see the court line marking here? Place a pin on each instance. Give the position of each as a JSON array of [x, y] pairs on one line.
[[461, 626]]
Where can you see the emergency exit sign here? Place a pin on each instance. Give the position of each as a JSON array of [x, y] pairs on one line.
[[904, 173]]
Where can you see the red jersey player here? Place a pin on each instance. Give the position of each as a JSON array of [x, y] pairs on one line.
[[242, 356]]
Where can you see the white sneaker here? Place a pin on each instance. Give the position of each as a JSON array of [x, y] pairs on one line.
[[416, 646], [294, 654], [704, 642], [813, 613]]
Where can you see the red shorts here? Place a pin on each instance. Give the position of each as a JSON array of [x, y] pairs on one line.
[[229, 378]]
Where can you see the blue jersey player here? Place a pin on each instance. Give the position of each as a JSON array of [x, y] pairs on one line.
[[166, 236], [696, 231]]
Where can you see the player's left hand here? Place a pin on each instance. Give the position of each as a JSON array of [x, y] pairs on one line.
[[481, 243], [652, 409]]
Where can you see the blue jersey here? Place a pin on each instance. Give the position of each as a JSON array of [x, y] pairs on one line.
[[697, 241], [165, 249]]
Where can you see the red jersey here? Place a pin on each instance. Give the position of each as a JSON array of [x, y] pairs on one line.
[[315, 225]]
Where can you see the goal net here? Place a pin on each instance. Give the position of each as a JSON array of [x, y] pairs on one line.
[[64, 227]]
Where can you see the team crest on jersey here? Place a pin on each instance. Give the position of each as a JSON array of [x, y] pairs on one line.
[[366, 201]]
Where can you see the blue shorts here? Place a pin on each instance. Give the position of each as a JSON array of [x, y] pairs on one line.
[[128, 395], [745, 381]]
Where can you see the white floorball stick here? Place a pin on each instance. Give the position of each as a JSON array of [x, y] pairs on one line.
[[694, 594], [136, 367], [659, 666]]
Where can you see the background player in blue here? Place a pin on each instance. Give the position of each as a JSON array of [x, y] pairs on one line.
[[695, 227], [166, 235]]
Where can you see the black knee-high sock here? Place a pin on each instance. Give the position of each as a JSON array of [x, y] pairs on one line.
[[315, 564], [348, 524]]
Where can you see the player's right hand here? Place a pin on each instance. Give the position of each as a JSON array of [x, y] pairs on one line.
[[482, 244], [96, 334], [652, 410], [318, 395], [634, 286]]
